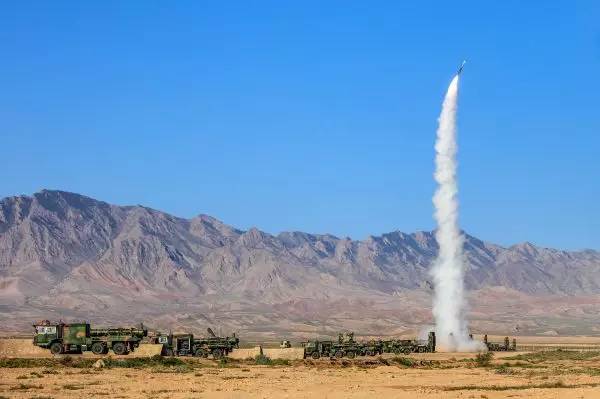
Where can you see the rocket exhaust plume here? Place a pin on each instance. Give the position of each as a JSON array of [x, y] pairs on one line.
[[448, 269]]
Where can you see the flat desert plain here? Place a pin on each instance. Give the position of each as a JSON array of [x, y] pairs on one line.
[[545, 374]]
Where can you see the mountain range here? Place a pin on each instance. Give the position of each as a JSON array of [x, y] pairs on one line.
[[68, 256]]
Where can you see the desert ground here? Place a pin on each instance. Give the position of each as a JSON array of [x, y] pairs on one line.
[[553, 373]]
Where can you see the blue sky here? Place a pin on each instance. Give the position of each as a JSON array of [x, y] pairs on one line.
[[313, 116]]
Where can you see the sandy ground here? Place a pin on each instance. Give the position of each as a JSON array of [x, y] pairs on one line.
[[432, 375], [290, 382]]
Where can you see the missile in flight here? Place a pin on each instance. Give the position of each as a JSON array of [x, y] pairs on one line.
[[460, 68]]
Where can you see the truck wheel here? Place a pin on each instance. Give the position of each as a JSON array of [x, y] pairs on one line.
[[97, 348], [351, 355], [217, 354], [56, 348], [369, 353], [199, 353], [119, 348], [406, 351], [421, 349], [339, 354], [168, 352], [315, 355]]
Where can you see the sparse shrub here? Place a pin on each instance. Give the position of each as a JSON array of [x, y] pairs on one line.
[[263, 360], [66, 360], [404, 361], [72, 387], [484, 359], [25, 387]]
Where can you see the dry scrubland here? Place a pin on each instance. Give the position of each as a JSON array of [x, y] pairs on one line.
[[549, 374]]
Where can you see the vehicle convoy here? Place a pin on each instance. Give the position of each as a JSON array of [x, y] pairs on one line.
[[406, 346], [503, 347], [188, 345], [345, 346], [80, 337]]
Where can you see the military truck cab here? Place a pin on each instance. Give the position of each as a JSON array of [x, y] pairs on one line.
[[62, 338], [316, 349]]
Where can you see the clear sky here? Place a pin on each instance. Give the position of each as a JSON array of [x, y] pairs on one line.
[[317, 116]]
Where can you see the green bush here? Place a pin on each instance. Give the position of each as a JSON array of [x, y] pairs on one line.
[[484, 359], [404, 361], [263, 360]]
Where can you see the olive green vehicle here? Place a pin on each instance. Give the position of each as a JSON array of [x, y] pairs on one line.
[[80, 337], [504, 347], [406, 346], [345, 346], [316, 349], [371, 348], [188, 345]]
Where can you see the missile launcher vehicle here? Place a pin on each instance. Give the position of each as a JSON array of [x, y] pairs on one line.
[[80, 337], [503, 347], [189, 345], [406, 346]]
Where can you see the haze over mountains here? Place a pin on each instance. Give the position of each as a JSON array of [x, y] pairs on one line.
[[64, 255]]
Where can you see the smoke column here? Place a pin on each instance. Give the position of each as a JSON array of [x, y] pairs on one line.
[[448, 269]]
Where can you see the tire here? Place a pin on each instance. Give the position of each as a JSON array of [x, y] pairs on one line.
[[421, 349], [56, 348], [369, 353], [406, 351], [98, 348], [315, 355], [339, 354], [119, 348], [199, 352], [351, 355], [217, 354]]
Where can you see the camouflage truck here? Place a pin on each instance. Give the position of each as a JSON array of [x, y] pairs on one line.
[[371, 348], [503, 347], [346, 346], [406, 346], [188, 345], [316, 349], [80, 337]]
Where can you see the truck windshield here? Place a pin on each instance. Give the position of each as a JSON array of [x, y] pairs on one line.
[[45, 329]]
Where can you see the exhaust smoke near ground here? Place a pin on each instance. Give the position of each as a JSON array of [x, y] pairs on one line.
[[448, 269]]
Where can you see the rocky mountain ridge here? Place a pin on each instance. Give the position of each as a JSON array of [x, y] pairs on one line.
[[69, 253]]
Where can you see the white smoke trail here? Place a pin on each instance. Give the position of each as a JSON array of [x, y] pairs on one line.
[[448, 270]]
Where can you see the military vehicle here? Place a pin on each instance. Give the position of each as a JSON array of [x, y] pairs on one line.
[[504, 347], [80, 337], [406, 346], [371, 348], [188, 345], [346, 346], [316, 349]]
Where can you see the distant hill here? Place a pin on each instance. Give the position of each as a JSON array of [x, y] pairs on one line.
[[70, 256]]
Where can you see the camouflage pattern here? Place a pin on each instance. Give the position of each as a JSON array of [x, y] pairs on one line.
[[406, 346], [503, 347], [80, 337], [188, 345]]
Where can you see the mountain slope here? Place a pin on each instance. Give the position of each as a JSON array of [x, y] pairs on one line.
[[78, 257]]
